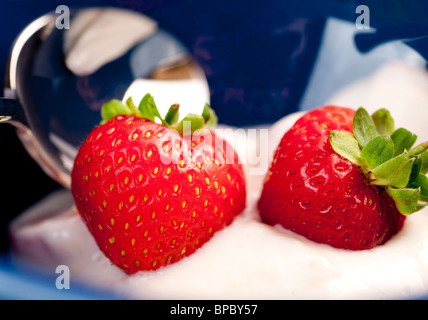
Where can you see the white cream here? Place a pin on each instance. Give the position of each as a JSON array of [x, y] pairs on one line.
[[248, 259]]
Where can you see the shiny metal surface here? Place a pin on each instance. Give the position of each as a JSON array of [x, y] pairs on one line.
[[58, 78]]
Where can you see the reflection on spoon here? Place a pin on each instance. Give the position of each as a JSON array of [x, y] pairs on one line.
[[99, 36], [58, 79]]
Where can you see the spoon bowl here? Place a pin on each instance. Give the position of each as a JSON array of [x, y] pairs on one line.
[[58, 78]]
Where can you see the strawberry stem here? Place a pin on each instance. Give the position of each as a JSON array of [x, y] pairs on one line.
[[386, 157], [172, 115], [148, 110]]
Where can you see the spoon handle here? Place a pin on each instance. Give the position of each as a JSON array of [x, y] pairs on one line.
[[11, 111]]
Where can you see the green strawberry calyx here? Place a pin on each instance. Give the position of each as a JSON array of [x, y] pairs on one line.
[[386, 157], [148, 110]]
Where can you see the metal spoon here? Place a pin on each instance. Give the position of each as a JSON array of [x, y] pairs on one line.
[[58, 79]]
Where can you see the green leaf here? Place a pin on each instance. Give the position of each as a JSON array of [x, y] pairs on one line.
[[403, 140], [387, 157], [113, 108], [190, 124], [145, 109], [209, 116], [383, 121], [420, 148], [131, 105], [394, 172], [377, 151], [421, 182], [406, 200], [172, 115], [416, 168], [345, 144], [364, 127], [148, 109], [424, 162]]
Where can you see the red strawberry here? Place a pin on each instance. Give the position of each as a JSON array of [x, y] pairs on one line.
[[149, 195], [341, 189]]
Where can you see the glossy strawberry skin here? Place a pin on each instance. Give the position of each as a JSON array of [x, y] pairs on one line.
[[149, 197], [316, 193]]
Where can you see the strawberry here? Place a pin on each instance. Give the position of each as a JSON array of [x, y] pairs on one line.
[[153, 193], [345, 178]]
